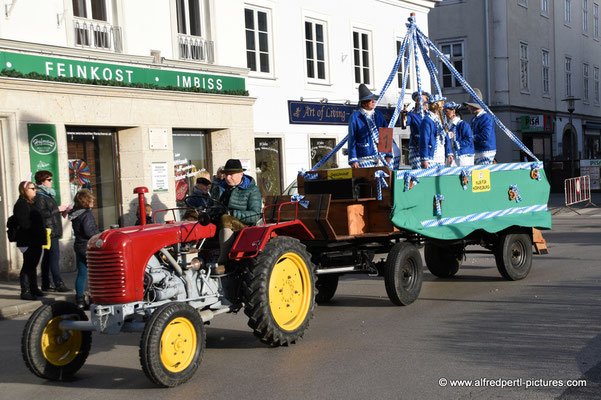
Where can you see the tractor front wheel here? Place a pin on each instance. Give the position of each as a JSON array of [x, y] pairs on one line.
[[279, 289], [49, 351], [172, 344], [403, 274]]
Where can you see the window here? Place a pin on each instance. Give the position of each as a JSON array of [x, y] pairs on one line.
[[90, 9], [268, 156], [455, 54], [523, 66], [585, 16], [596, 83], [585, 75], [316, 50], [596, 21], [567, 11], [92, 27], [568, 71], [190, 155], [544, 7], [405, 62], [189, 17], [257, 24], [545, 62], [320, 147], [362, 56]]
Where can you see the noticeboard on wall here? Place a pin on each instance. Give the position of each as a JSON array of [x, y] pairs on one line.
[[43, 153]]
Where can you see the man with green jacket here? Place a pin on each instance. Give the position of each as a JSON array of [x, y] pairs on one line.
[[241, 195]]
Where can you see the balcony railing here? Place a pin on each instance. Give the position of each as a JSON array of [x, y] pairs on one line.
[[98, 35], [195, 48]]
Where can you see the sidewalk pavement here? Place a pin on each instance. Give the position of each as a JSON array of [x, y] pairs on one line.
[[12, 306]]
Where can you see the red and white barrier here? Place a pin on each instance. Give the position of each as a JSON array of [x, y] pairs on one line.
[[577, 190]]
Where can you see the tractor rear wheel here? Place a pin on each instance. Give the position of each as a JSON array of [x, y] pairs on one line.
[[49, 351], [325, 287], [513, 255], [403, 274], [443, 261], [279, 289], [172, 344]]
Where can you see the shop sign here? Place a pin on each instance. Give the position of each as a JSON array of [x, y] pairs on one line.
[[43, 155], [71, 68], [160, 177], [315, 113], [536, 123]]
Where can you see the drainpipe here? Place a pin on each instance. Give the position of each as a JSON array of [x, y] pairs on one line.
[[486, 35]]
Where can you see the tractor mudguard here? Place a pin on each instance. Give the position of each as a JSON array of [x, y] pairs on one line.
[[253, 239]]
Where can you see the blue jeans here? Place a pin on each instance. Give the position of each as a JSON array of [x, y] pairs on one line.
[[82, 274], [50, 265]]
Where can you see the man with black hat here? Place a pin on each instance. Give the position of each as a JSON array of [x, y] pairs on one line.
[[483, 129], [363, 131], [201, 192], [241, 195]]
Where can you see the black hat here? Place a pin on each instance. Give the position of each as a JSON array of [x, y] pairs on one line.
[[233, 166], [365, 94], [203, 181]]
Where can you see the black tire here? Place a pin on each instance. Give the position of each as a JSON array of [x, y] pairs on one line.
[[403, 274], [325, 287], [50, 352], [279, 289], [174, 327], [513, 255], [443, 261]]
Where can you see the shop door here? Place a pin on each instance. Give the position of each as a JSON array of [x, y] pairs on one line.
[[268, 154], [92, 165], [190, 156], [319, 149]]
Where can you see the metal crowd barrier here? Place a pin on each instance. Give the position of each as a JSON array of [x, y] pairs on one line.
[[577, 190]]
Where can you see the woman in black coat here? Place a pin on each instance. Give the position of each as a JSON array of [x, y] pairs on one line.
[[84, 227], [31, 235]]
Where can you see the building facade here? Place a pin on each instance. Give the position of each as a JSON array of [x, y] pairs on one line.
[[528, 57]]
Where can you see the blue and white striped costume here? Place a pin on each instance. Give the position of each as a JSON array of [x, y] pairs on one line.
[[414, 120], [462, 144], [434, 146], [485, 143], [362, 142]]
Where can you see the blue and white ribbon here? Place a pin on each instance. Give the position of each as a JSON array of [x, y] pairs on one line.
[[482, 216], [438, 198], [307, 175], [533, 167], [450, 171], [410, 180], [465, 178], [381, 178], [299, 198], [514, 189]]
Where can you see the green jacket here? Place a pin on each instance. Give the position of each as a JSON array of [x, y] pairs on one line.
[[245, 201]]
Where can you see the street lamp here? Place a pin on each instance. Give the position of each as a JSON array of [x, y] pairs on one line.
[[571, 107]]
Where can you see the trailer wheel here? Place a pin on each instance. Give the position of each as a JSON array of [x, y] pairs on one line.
[[403, 274], [513, 255], [443, 261], [172, 344], [325, 287], [279, 289], [49, 351]]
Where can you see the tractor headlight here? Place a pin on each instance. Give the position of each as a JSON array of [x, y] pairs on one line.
[[197, 264]]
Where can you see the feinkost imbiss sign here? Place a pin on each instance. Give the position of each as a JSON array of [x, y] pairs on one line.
[[71, 68]]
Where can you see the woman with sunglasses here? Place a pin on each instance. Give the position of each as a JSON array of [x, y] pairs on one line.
[[30, 238], [51, 214]]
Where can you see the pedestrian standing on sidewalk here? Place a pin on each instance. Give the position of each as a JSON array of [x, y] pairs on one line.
[[84, 227], [30, 238], [51, 214]]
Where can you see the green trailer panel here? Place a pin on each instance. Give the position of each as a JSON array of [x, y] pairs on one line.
[[484, 204]]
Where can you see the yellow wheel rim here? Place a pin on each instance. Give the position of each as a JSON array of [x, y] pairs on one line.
[[178, 344], [60, 347], [290, 291]]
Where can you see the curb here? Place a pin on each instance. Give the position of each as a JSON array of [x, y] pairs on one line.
[[16, 310]]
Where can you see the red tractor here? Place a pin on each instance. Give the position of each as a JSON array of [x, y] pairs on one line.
[[161, 280]]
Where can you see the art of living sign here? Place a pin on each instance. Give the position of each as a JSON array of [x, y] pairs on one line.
[[71, 68], [314, 113]]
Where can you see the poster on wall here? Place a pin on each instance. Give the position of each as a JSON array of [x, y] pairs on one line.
[[160, 177], [43, 153]]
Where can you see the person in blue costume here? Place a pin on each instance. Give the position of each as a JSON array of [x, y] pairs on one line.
[[363, 132], [483, 129], [460, 134], [434, 145], [414, 119]]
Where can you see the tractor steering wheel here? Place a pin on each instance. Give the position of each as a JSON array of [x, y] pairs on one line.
[[206, 205]]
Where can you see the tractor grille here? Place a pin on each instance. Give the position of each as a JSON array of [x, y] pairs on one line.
[[106, 274]]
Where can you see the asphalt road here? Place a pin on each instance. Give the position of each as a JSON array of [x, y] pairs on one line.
[[539, 332]]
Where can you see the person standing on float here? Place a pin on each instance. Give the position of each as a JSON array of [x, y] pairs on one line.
[[363, 132], [414, 119], [434, 145], [483, 128], [460, 135]]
